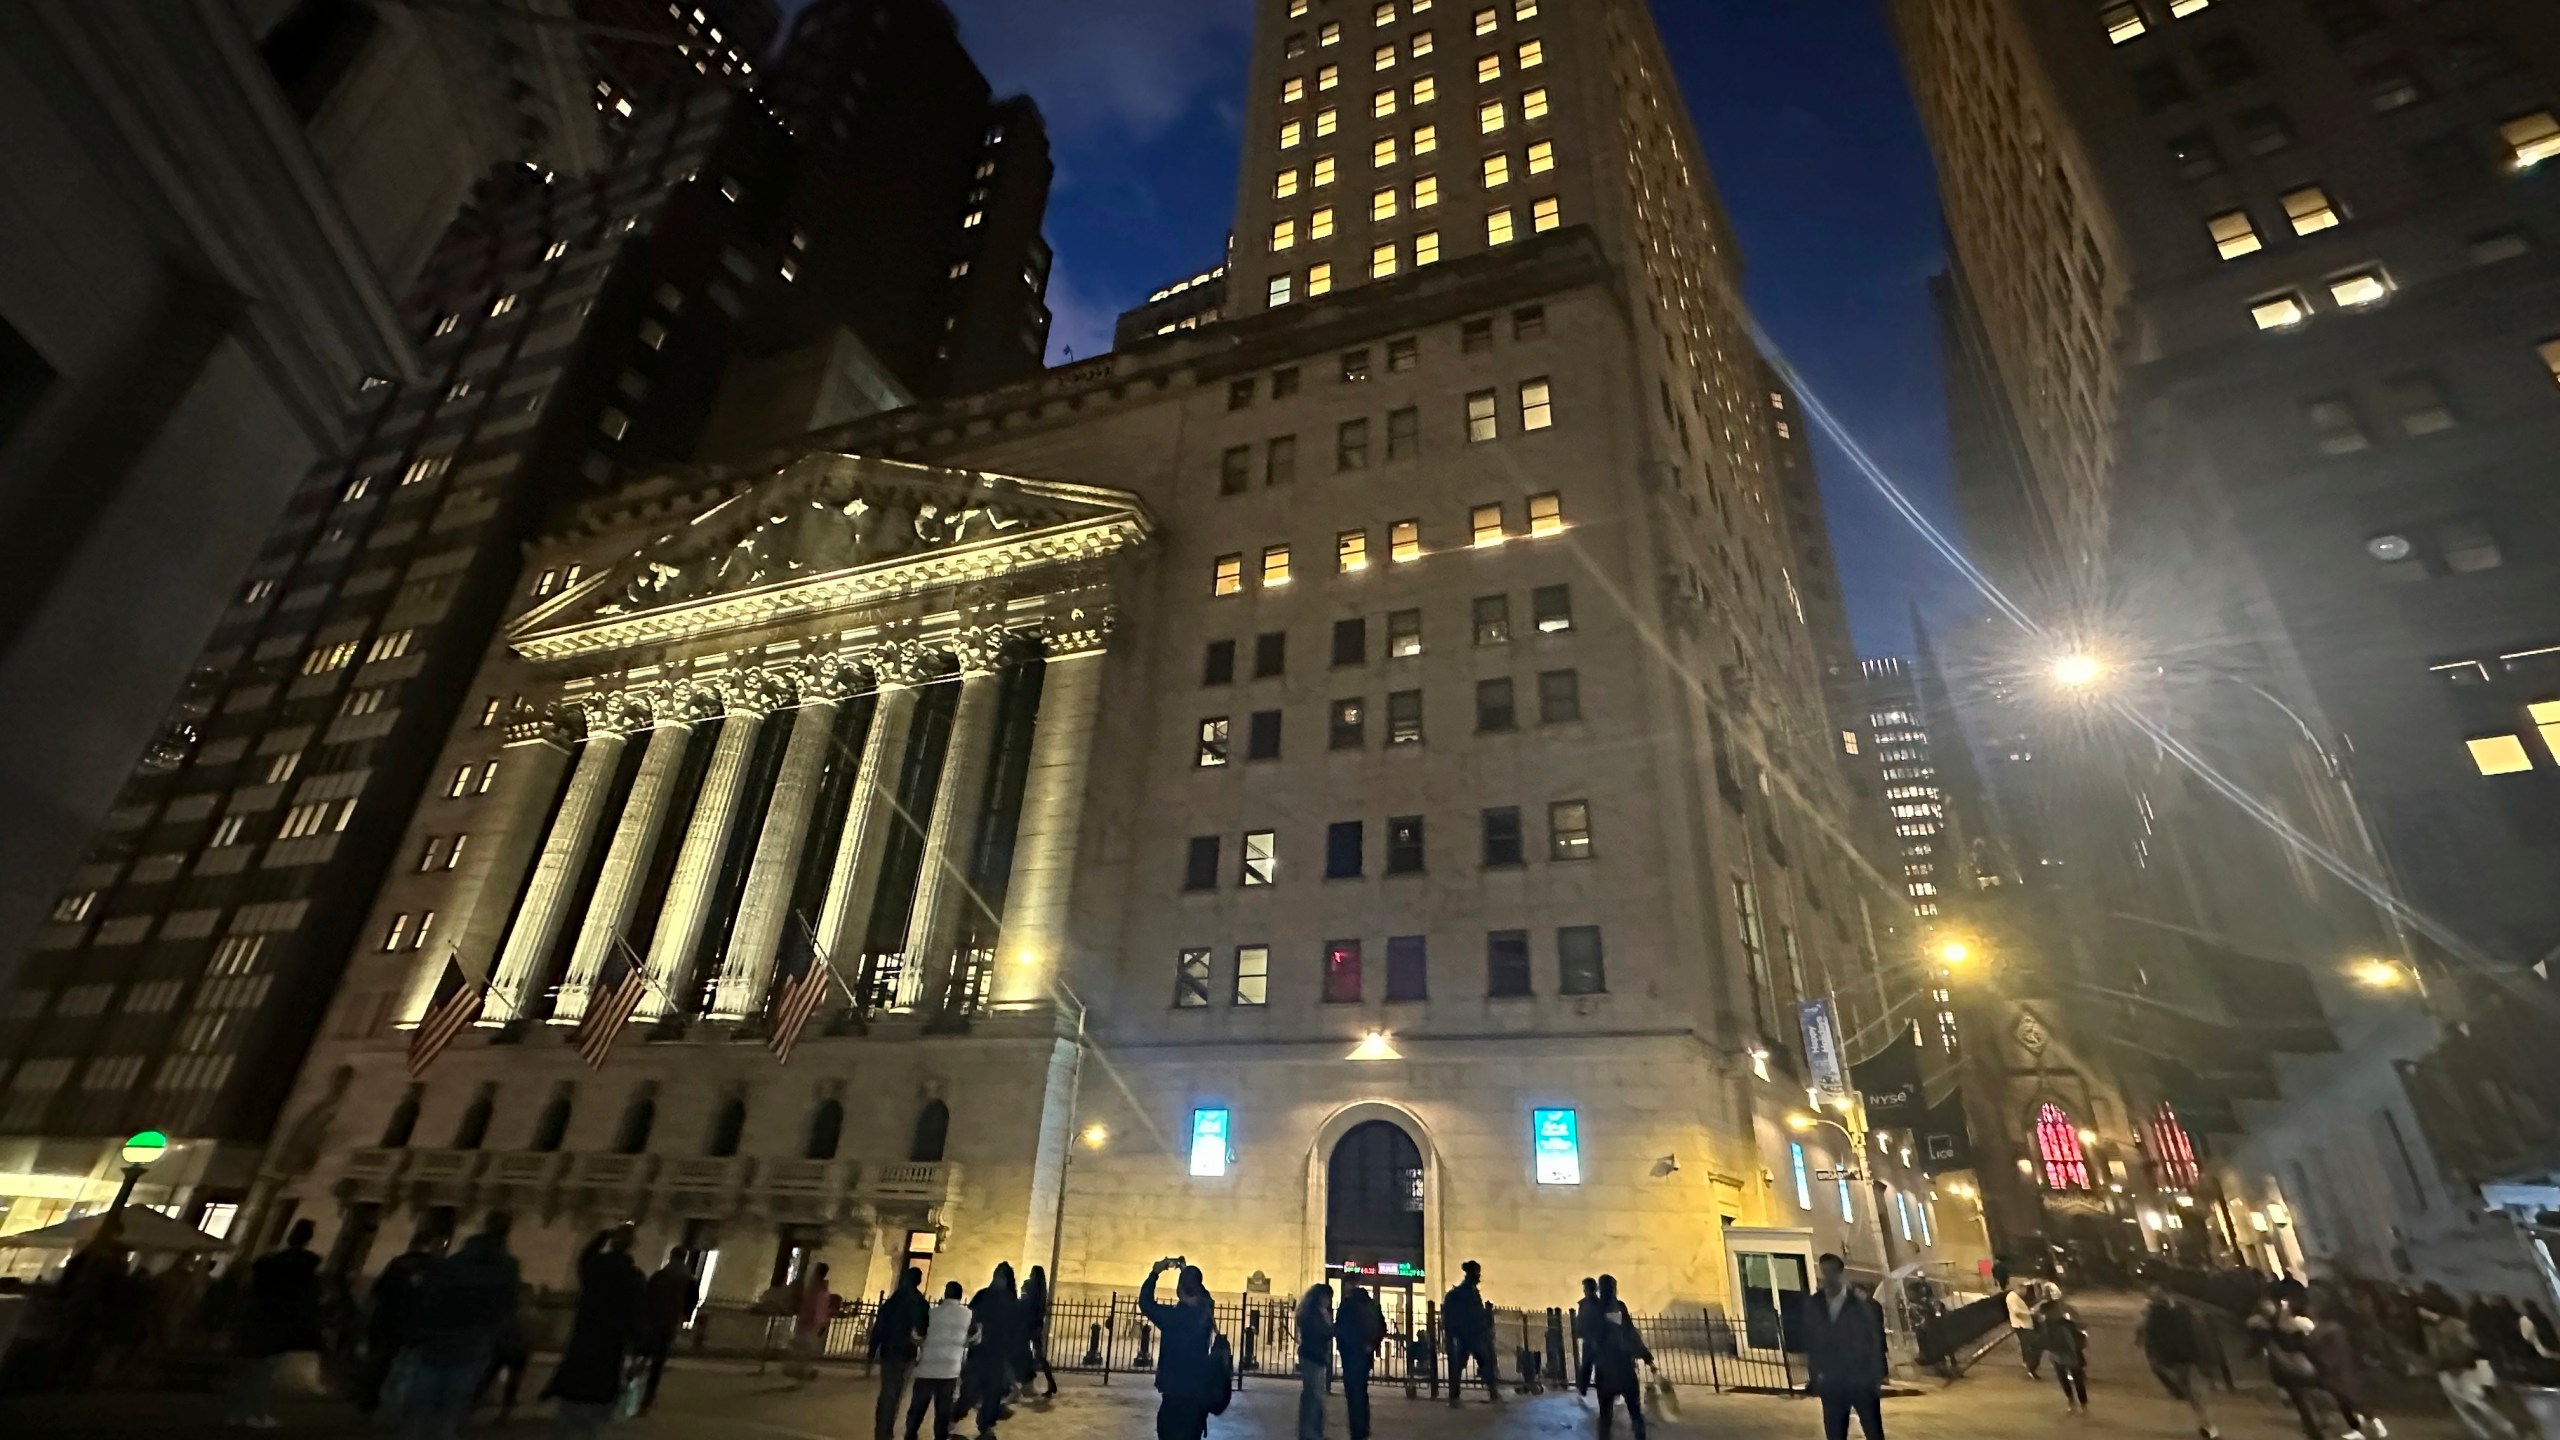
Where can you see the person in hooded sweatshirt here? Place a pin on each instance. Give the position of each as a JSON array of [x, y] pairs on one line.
[[938, 1364], [990, 1368], [897, 1333], [612, 1296]]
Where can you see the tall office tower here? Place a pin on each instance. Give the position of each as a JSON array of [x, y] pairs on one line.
[[2271, 292], [645, 52], [1897, 738], [1352, 770], [569, 330], [217, 212], [886, 93]]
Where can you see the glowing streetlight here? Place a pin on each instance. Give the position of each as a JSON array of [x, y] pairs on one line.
[[2079, 670], [2376, 974], [140, 1149], [1955, 952], [1376, 1046], [1096, 1135]]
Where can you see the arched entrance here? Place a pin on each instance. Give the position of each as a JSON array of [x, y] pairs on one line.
[[1373, 1222]]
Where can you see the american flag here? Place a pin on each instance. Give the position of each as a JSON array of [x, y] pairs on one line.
[[619, 987], [458, 1000], [796, 1000]]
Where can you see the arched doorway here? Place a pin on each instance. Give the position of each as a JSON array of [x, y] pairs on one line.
[[1373, 1221]]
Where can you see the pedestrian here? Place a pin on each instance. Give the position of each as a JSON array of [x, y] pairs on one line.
[[392, 1308], [612, 1294], [989, 1373], [1359, 1328], [813, 1311], [2289, 1292], [897, 1334], [1186, 1376], [1844, 1353], [2022, 1324], [2295, 1375], [939, 1361], [1585, 1310], [282, 1318], [2462, 1372], [1468, 1323], [673, 1293], [1315, 1358], [87, 1295], [2174, 1341], [1615, 1349], [2332, 1348], [467, 1306], [2066, 1344], [1035, 1330]]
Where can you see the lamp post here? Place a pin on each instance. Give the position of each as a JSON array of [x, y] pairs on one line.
[[140, 1150], [1855, 1132]]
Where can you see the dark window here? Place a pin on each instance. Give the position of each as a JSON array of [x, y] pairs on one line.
[[2263, 130], [1404, 844], [2225, 60], [1191, 980], [1239, 393], [553, 1127], [1270, 654], [2345, 19], [728, 1128], [1493, 705], [1200, 864], [1342, 972], [311, 49], [1551, 608], [1502, 837], [826, 1131], [1404, 634], [24, 377], [1235, 470], [1559, 696], [1284, 383], [2392, 87], [638, 1119], [1350, 724], [2478, 55], [1506, 963], [1475, 335], [1404, 433], [1404, 717], [1578, 968], [1529, 322], [2449, 161], [1351, 641], [1351, 445], [474, 1129], [1280, 460], [1403, 354], [403, 1122], [2158, 85], [1292, 47], [1355, 366], [2195, 155], [1493, 619], [1218, 663], [1342, 841], [1408, 970], [933, 1132], [1262, 735]]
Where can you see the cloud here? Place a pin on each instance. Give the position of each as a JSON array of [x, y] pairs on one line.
[[1126, 67]]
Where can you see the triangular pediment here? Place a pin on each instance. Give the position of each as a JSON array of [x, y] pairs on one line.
[[829, 532]]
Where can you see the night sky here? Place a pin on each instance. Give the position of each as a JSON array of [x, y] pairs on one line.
[[1808, 128]]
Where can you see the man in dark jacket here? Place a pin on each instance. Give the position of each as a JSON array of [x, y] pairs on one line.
[[1468, 1323], [393, 1309], [283, 1317], [611, 1294], [2179, 1349], [1184, 1375], [1615, 1349], [896, 1334], [1584, 1313], [1844, 1353], [673, 1294], [468, 1305], [1359, 1326]]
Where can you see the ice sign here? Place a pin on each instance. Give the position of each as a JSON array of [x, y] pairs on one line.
[[1208, 1142], [1559, 1147]]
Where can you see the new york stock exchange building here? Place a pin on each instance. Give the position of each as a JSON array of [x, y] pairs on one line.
[[1269, 797]]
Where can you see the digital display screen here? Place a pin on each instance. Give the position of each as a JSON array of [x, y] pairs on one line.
[[1558, 1140], [1208, 1142]]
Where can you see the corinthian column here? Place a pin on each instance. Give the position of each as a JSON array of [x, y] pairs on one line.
[[870, 807], [706, 839], [933, 919], [626, 860], [764, 907], [555, 872], [1034, 941], [507, 834]]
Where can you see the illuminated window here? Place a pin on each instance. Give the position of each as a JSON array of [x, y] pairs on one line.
[[1211, 751], [2532, 139], [1484, 525], [1426, 138], [1319, 280], [1284, 234], [1292, 133], [398, 933], [2123, 22], [1382, 153], [1382, 104], [1320, 224], [1327, 121], [1485, 21], [1386, 14], [1342, 970], [2233, 235], [1351, 552], [1327, 78], [1426, 250], [2058, 1142], [1524, 9], [2500, 755], [1275, 565], [2181, 9], [2309, 210], [1551, 609], [1804, 1175], [2177, 1153], [1425, 90], [1261, 858], [1229, 576], [1497, 227], [2279, 312], [1569, 830], [1382, 260], [1191, 980], [2363, 287], [1542, 157], [1382, 204], [1490, 117], [1293, 90], [1279, 290], [1533, 53], [1545, 215], [1384, 58], [1533, 104], [1546, 517], [1422, 44], [1323, 172], [1426, 191], [1331, 34], [1484, 416], [1253, 974], [1497, 170], [1404, 542], [1209, 1141], [1536, 409], [501, 305], [1488, 69]]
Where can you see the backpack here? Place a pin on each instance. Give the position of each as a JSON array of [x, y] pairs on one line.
[[1221, 1379]]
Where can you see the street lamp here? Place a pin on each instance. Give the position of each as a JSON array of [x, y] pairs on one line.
[[2378, 974], [1955, 952], [2079, 670], [140, 1149]]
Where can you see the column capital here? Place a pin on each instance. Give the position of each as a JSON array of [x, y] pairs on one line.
[[1078, 630], [560, 727], [826, 679], [754, 692], [897, 664], [980, 648]]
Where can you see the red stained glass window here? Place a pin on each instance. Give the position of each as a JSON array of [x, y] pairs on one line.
[[2058, 1140]]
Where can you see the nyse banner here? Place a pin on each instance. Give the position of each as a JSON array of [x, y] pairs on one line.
[[1946, 1144], [1822, 1046], [1890, 1082]]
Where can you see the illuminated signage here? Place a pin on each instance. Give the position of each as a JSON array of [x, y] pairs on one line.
[[1208, 1142], [1804, 1183], [1559, 1146]]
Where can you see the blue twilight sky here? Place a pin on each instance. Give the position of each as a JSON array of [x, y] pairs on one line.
[[1808, 128]]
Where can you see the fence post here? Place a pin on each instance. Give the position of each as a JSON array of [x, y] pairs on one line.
[[1110, 1335], [1431, 1343], [1715, 1374]]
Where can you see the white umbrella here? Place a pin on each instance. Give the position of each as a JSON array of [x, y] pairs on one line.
[[143, 1231]]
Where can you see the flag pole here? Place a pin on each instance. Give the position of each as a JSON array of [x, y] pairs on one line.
[[818, 956]]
